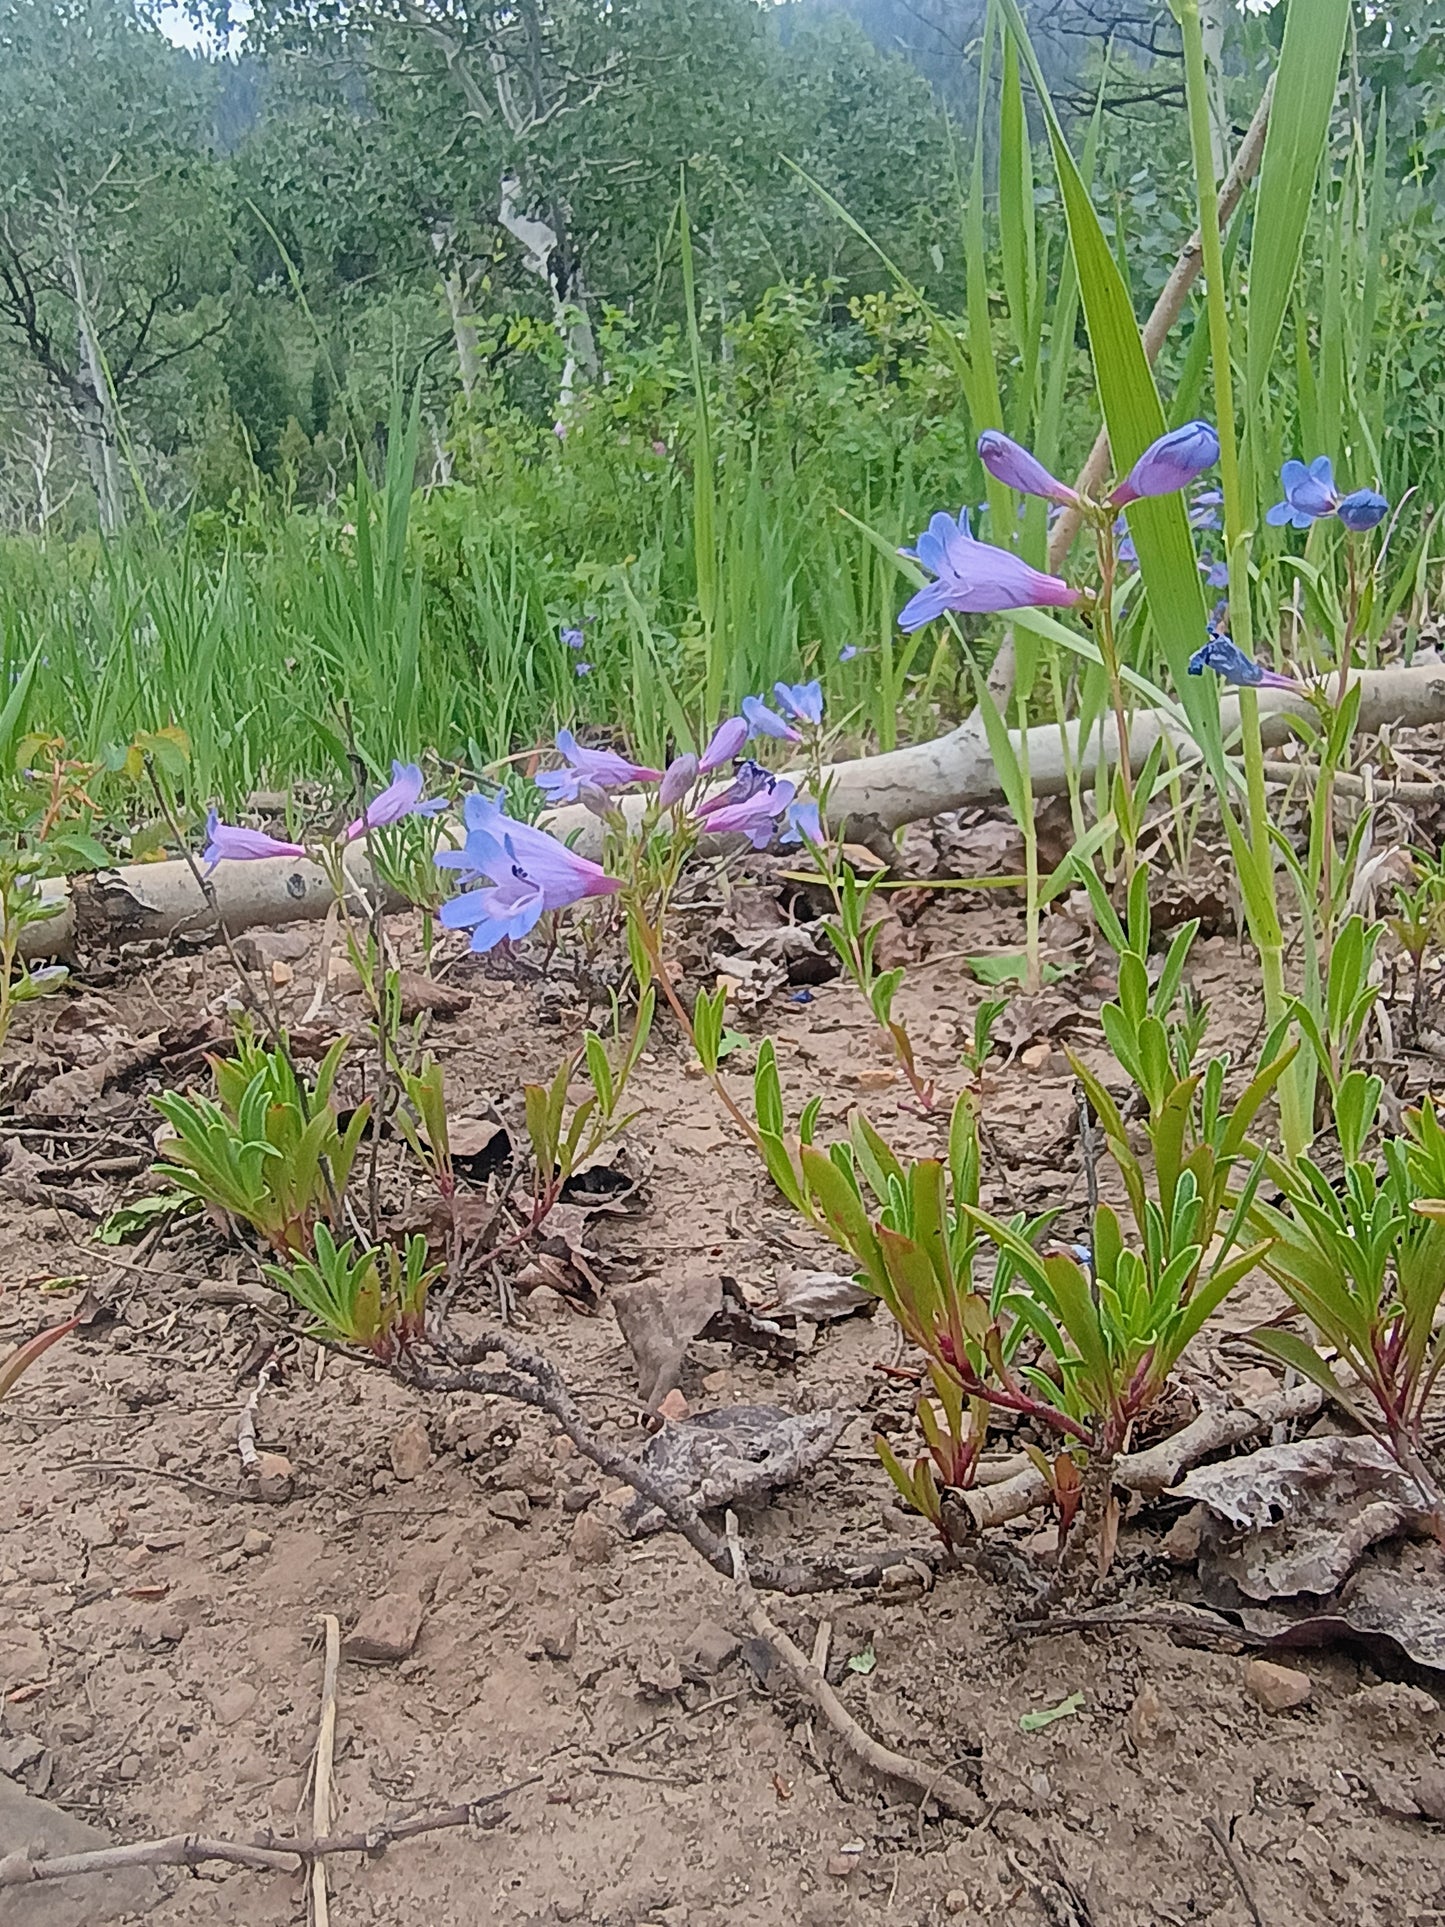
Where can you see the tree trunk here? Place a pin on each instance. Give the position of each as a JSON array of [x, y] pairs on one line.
[[539, 243], [95, 414]]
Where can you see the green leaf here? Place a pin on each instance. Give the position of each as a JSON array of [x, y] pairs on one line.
[[1036, 1722], [129, 1220], [863, 1662], [1012, 968]]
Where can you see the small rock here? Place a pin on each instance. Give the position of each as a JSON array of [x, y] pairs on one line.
[[1035, 1057], [16, 1756], [255, 1543], [281, 974], [659, 1673], [720, 1381], [1249, 1387], [130, 1767], [955, 1901], [386, 1631], [555, 1637], [878, 1079], [165, 1629], [229, 1561], [510, 1505], [273, 1477], [708, 1648], [842, 1865], [1278, 1689], [592, 1541], [1147, 1718], [530, 1472], [577, 1498], [1391, 1796], [1429, 1793], [1180, 1544], [232, 1703], [410, 1449]]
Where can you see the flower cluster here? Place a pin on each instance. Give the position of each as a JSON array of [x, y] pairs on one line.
[[234, 843], [978, 578], [1310, 496]]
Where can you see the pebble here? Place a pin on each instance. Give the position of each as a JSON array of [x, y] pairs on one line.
[[1278, 1689], [1392, 1797], [273, 1481], [528, 1472], [577, 1498], [232, 1703], [955, 1901], [554, 1638], [592, 1543], [130, 1767], [410, 1449], [255, 1543], [659, 1673], [1146, 1717], [510, 1505], [1393, 1710], [229, 1561], [386, 1631], [708, 1648], [1429, 1793]]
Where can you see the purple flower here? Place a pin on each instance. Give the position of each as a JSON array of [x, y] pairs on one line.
[[763, 721], [974, 577], [1170, 463], [1363, 510], [401, 797], [1216, 574], [1205, 507], [1016, 468], [231, 843], [802, 700], [1229, 662], [801, 818], [573, 638], [583, 669], [526, 870], [1310, 495], [727, 739], [750, 778], [677, 779], [754, 815], [603, 768], [848, 652]]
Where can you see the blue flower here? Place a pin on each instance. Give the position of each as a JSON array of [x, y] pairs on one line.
[[973, 577], [763, 721], [803, 701], [573, 638], [848, 652], [1310, 495], [1230, 664], [802, 822], [1170, 463]]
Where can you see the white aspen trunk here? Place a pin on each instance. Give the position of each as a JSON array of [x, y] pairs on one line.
[[95, 419], [538, 242]]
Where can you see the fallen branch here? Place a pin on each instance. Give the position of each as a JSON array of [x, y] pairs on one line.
[[1159, 1466], [534, 1381], [929, 1783], [277, 1853], [322, 1768]]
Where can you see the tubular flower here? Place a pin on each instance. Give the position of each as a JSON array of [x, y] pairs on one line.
[[727, 739], [1230, 664], [526, 871], [401, 797], [974, 578], [603, 768], [803, 824], [1310, 495], [677, 779], [1015, 467], [803, 701], [232, 843], [763, 721], [754, 814], [1170, 463]]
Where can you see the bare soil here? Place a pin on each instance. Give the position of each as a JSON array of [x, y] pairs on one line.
[[159, 1624]]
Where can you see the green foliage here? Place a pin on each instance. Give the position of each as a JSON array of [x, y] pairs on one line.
[[269, 1149], [371, 1296], [1364, 1261]]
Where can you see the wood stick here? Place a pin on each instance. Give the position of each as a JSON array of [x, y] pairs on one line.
[[1159, 1466], [272, 1852], [323, 1765], [930, 1783]]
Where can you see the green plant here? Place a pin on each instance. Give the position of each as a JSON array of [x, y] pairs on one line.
[[1364, 1260], [371, 1296], [269, 1149], [22, 907]]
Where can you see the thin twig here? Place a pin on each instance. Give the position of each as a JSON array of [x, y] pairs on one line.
[[284, 1853], [1220, 1836], [322, 1767], [929, 1783], [155, 1472]]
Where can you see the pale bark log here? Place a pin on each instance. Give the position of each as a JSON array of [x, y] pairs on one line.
[[148, 901]]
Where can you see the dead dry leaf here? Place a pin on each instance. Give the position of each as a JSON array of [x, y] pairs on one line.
[[737, 1456]]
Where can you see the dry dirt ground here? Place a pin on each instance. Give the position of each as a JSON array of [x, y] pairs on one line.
[[159, 1624]]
